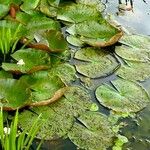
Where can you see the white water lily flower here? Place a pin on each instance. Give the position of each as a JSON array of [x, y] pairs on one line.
[[6, 130], [20, 62]]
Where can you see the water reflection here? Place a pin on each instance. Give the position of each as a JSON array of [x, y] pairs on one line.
[[132, 15]]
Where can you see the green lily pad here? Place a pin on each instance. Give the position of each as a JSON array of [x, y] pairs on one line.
[[27, 6], [4, 9], [34, 25], [134, 71], [97, 63], [54, 125], [65, 71], [76, 13], [14, 94], [96, 134], [29, 60], [43, 85], [96, 33], [54, 3], [47, 9], [133, 54], [56, 40], [95, 3], [138, 41], [58, 117], [74, 41], [5, 75], [125, 97]]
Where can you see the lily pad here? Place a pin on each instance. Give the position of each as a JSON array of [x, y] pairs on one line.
[[134, 71], [27, 6], [56, 40], [4, 9], [95, 3], [138, 41], [47, 9], [97, 63], [76, 13], [74, 41], [125, 97], [42, 85], [65, 71], [5, 75], [133, 54], [28, 61], [58, 117], [96, 33], [54, 3], [14, 94], [96, 134]]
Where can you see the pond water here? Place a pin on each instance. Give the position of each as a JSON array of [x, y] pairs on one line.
[[135, 20]]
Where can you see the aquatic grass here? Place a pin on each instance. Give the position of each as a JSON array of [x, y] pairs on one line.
[[8, 39], [11, 139]]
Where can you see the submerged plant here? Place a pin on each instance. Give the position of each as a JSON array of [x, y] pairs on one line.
[[8, 39], [11, 139]]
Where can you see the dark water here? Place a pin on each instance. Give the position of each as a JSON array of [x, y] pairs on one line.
[[137, 20]]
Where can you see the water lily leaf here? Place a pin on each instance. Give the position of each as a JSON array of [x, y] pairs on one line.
[[65, 71], [74, 41], [134, 71], [133, 54], [29, 60], [76, 13], [14, 94], [58, 117], [54, 125], [56, 40], [44, 24], [96, 134], [95, 3], [96, 33], [97, 63], [43, 85], [138, 41], [54, 3], [126, 97], [4, 9], [27, 6], [48, 10], [5, 75]]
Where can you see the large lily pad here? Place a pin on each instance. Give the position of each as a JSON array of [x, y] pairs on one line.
[[56, 40], [97, 63], [125, 97], [43, 85], [46, 7], [95, 3], [5, 74], [27, 6], [138, 41], [133, 54], [96, 134], [4, 9], [76, 13], [58, 117], [28, 61], [14, 94], [96, 33], [65, 71], [134, 71]]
